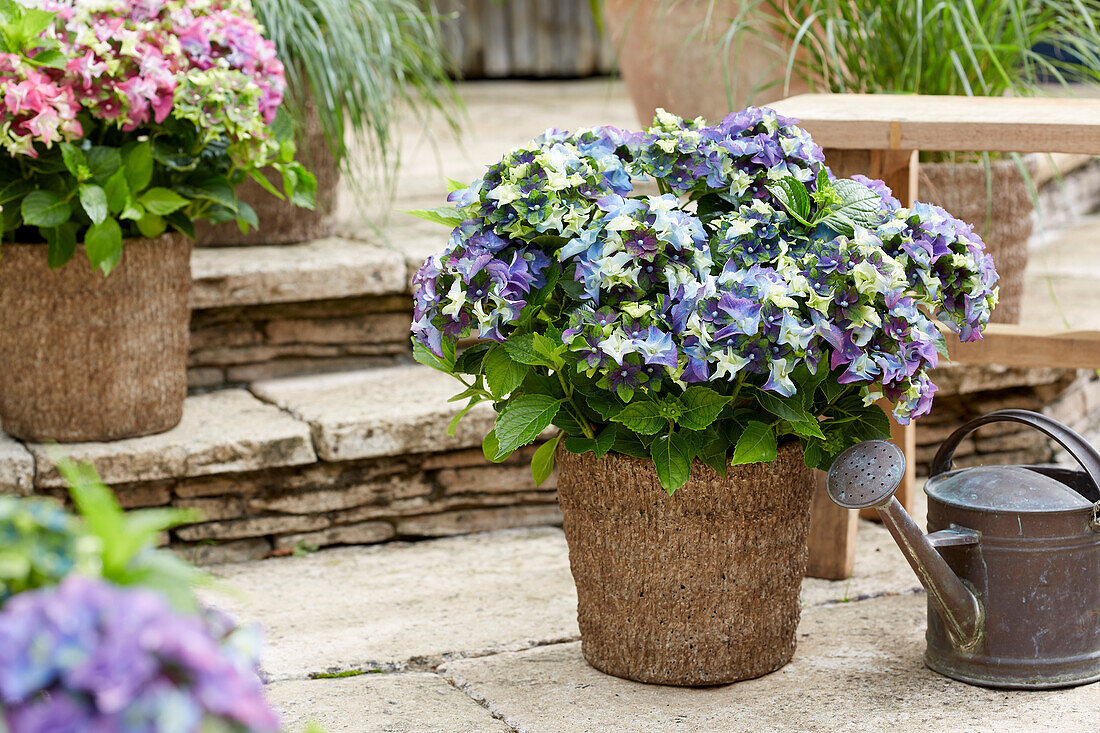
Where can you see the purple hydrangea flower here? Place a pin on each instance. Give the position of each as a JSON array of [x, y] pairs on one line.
[[90, 656]]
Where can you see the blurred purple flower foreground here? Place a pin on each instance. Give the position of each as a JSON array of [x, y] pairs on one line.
[[90, 657]]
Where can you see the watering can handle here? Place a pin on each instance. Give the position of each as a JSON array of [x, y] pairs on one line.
[[1074, 444]]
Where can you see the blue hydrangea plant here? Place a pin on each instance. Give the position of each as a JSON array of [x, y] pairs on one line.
[[748, 299], [88, 655]]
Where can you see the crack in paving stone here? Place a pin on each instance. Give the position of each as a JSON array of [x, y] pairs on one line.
[[465, 689], [918, 590], [427, 663], [480, 701]]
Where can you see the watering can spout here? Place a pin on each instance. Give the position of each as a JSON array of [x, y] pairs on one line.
[[867, 475], [955, 603]]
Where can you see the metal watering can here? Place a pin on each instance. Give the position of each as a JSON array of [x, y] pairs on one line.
[[1011, 562]]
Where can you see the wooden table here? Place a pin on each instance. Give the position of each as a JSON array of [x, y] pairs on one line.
[[882, 134]]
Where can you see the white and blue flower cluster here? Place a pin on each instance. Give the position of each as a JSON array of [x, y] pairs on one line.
[[713, 277]]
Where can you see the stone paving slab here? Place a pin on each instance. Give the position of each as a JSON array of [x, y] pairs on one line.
[[390, 703], [379, 412], [857, 668], [16, 467], [406, 605], [221, 432], [413, 605], [318, 270]]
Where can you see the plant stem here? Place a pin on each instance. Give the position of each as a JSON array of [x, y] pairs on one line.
[[737, 388], [585, 425]]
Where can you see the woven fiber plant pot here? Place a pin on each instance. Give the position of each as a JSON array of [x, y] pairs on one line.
[[280, 221], [700, 588], [92, 358], [960, 188]]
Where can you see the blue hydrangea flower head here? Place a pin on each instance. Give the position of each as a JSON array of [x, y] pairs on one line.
[[677, 256], [86, 655]]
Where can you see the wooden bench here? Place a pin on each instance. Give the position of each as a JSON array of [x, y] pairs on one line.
[[883, 133]]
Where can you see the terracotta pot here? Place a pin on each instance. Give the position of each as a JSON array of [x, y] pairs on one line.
[[671, 55], [280, 221], [91, 358], [700, 588], [1003, 221]]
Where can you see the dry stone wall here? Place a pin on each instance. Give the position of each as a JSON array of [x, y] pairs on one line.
[[255, 514], [241, 344], [1069, 396]]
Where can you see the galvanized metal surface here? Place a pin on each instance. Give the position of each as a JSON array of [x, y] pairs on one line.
[[866, 474], [1011, 564]]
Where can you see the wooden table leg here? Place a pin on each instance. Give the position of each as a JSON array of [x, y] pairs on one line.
[[832, 536]]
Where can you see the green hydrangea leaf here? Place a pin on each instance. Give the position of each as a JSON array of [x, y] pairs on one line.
[[427, 358], [701, 407], [716, 455], [103, 245], [151, 225], [490, 446], [786, 408], [629, 444], [604, 440], [448, 216], [643, 417], [870, 423], [521, 347], [542, 463], [757, 444], [45, 209], [810, 429], [471, 360], [452, 426], [858, 205], [104, 161], [161, 201], [75, 162], [671, 458], [791, 193], [523, 419], [93, 200], [502, 374], [579, 444], [62, 244]]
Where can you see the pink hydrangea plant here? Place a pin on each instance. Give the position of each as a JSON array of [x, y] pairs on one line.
[[142, 115], [132, 62]]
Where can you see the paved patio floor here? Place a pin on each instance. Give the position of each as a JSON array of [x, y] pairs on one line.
[[479, 633]]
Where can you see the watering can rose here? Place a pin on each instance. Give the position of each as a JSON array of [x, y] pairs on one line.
[[752, 298]]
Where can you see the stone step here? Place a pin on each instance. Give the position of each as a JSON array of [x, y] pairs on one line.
[[326, 269], [352, 458], [272, 311]]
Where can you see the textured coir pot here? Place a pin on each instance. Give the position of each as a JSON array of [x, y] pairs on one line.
[[86, 357], [280, 221], [1003, 221], [700, 588]]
